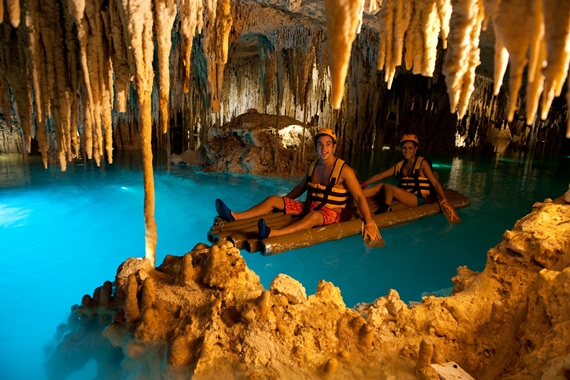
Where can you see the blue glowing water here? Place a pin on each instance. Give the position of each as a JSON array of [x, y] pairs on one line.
[[62, 234]]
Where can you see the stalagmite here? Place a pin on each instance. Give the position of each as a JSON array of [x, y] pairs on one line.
[[106, 297], [148, 295], [131, 306], [343, 17], [187, 270]]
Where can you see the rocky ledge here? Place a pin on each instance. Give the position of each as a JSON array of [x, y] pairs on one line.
[[205, 315]]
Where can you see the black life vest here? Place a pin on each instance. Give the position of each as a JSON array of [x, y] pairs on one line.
[[330, 196], [413, 182]]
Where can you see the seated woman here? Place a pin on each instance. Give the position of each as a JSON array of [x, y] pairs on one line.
[[417, 181]]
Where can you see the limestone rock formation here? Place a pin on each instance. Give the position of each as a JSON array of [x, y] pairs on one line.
[[206, 315], [251, 144]]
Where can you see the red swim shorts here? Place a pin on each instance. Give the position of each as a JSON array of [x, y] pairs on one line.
[[294, 207]]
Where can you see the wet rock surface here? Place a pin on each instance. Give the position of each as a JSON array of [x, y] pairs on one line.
[[206, 315]]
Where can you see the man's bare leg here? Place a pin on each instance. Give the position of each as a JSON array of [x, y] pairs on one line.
[[273, 202], [312, 219]]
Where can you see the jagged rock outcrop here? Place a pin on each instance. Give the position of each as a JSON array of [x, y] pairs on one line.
[[206, 314], [251, 144]]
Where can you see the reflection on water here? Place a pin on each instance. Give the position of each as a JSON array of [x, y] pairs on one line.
[[64, 234]]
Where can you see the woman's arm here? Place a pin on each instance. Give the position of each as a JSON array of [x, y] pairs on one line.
[[379, 176], [428, 173]]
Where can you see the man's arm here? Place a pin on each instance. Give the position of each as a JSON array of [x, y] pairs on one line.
[[351, 183]]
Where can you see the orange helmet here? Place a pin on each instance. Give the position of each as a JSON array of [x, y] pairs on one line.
[[326, 132], [410, 137]]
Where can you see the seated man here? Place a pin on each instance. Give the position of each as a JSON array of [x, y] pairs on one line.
[[417, 181], [329, 182]]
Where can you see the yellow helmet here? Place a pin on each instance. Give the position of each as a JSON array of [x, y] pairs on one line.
[[326, 132], [409, 137]]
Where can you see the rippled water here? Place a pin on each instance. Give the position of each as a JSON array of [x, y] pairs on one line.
[[62, 234]]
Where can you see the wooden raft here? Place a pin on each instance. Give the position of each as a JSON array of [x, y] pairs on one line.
[[244, 234]]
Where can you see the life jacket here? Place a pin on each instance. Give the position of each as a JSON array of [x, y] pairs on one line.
[[329, 196], [414, 183]]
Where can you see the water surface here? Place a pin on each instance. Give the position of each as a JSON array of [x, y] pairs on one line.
[[62, 234]]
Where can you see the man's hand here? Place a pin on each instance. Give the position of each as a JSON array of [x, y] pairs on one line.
[[371, 232]]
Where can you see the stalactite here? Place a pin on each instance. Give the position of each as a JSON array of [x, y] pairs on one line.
[[35, 58], [13, 12], [462, 53], [444, 12], [139, 34], [343, 18], [420, 45], [5, 102], [426, 55], [15, 71], [52, 83], [267, 66], [557, 35], [165, 13], [120, 57], [191, 23], [516, 41], [216, 39]]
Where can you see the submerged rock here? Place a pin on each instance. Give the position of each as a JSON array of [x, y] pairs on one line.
[[205, 315]]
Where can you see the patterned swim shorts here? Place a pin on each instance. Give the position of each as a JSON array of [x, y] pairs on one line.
[[294, 207]]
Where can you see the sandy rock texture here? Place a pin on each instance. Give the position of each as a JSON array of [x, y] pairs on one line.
[[205, 315], [250, 144]]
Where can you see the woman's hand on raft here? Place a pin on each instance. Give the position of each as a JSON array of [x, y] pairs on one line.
[[449, 210], [366, 232]]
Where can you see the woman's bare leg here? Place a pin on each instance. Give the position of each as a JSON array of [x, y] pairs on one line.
[[392, 192]]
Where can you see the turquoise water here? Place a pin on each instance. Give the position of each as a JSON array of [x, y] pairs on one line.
[[63, 234]]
